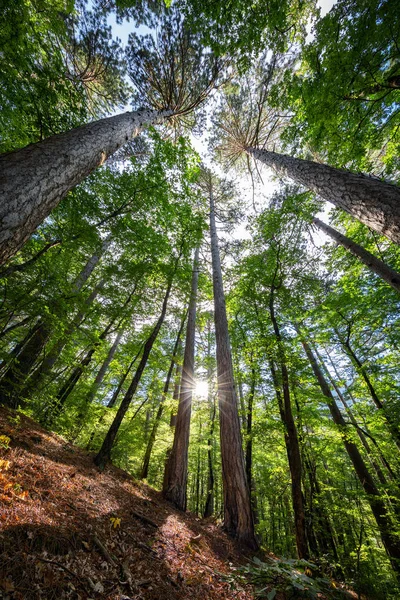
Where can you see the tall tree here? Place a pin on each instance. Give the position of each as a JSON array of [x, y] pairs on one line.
[[175, 480], [37, 177], [238, 515]]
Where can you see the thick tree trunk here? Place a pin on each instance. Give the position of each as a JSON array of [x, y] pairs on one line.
[[374, 264], [390, 538], [238, 515], [153, 433], [104, 454], [374, 203], [34, 179], [176, 475]]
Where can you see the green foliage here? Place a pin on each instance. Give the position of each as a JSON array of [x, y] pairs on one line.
[[293, 578]]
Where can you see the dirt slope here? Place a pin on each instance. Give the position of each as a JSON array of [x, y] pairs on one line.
[[68, 531]]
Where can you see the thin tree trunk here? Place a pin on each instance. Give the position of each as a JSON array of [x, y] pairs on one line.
[[104, 454], [35, 179], [238, 515], [291, 437], [375, 203], [153, 434], [374, 264], [249, 443], [74, 377], [55, 351], [12, 389], [393, 428], [115, 395], [104, 368], [390, 538], [17, 268], [382, 457], [209, 504], [176, 476]]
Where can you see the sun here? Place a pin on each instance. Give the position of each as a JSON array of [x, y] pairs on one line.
[[201, 389]]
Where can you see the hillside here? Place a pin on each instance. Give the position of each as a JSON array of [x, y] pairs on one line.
[[69, 531]]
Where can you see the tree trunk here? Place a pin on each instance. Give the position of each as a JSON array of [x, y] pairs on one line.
[[35, 179], [104, 368], [176, 478], [73, 379], [209, 504], [374, 203], [238, 515], [17, 268], [249, 443], [374, 264], [390, 538], [153, 434], [55, 351], [104, 454], [393, 427]]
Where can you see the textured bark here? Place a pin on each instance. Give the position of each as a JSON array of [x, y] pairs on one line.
[[104, 454], [387, 529], [177, 470], [34, 179], [282, 390], [238, 516], [374, 264], [374, 203], [153, 433]]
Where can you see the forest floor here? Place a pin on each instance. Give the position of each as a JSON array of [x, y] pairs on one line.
[[69, 531]]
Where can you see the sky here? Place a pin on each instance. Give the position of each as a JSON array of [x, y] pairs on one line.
[[268, 185]]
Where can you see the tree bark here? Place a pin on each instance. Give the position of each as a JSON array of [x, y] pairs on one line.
[[153, 433], [374, 264], [176, 475], [238, 515], [390, 538], [104, 454], [34, 179], [374, 203], [209, 504]]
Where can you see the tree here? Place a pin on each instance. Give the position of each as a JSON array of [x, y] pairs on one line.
[[37, 177], [175, 480], [238, 516]]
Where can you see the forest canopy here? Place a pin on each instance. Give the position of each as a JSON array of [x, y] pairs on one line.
[[200, 272]]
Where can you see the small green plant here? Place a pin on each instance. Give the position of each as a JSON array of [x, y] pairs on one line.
[[295, 578], [5, 442], [14, 420]]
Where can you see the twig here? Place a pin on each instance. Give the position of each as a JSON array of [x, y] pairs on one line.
[[54, 562], [104, 551], [144, 519]]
